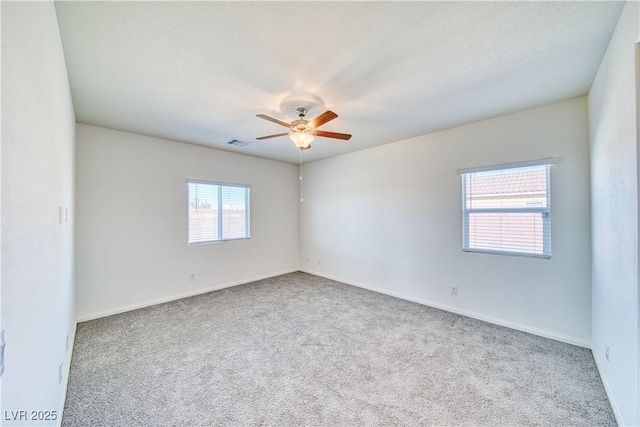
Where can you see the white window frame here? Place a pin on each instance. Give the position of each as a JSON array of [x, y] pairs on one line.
[[221, 185], [544, 211]]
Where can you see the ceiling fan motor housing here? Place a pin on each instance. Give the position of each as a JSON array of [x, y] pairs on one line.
[[301, 126]]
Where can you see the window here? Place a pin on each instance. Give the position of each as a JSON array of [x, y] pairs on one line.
[[217, 212], [507, 210]]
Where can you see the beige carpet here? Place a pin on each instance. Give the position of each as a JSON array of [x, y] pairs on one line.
[[302, 350]]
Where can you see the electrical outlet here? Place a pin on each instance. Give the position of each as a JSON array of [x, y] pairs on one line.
[[67, 343], [60, 373], [453, 290], [192, 277], [319, 262], [606, 352], [307, 260]]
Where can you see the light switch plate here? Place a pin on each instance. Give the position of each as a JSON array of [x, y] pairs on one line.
[[2, 345]]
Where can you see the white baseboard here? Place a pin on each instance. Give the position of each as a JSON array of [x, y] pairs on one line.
[[607, 389], [496, 321], [143, 304], [72, 340]]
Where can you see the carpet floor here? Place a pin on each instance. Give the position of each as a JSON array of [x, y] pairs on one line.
[[302, 350]]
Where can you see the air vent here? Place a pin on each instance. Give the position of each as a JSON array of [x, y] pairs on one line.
[[239, 143]]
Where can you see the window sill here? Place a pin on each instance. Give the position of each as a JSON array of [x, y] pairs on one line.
[[207, 242], [514, 254]]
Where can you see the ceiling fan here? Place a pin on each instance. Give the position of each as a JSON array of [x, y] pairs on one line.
[[304, 131]]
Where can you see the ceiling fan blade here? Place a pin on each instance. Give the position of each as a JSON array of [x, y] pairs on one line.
[[271, 119], [273, 136], [322, 119], [336, 135], [306, 148]]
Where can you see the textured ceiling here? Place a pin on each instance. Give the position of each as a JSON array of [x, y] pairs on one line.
[[199, 72]]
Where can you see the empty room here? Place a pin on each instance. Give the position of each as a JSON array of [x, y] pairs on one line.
[[319, 213]]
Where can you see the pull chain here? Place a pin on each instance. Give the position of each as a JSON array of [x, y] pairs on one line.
[[300, 178]]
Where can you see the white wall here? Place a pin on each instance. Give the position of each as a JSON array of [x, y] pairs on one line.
[[389, 218], [614, 185], [132, 221], [38, 127]]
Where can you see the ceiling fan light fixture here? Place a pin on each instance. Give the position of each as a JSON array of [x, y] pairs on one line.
[[302, 139]]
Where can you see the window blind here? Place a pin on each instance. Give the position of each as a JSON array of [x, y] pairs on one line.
[[218, 212], [507, 211]]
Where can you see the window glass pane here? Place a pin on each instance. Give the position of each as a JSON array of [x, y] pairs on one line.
[[507, 188], [509, 232], [234, 212], [203, 212]]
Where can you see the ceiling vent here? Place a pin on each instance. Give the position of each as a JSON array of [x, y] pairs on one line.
[[239, 143]]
